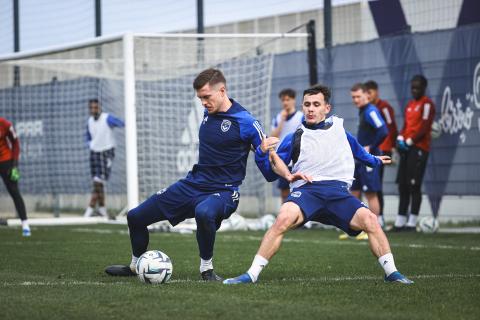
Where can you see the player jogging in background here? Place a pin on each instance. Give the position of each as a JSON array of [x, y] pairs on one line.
[[322, 194], [388, 144], [210, 191], [371, 133], [101, 141], [9, 154], [284, 123], [413, 144]]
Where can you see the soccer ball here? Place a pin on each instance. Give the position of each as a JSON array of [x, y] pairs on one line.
[[429, 225], [154, 267]]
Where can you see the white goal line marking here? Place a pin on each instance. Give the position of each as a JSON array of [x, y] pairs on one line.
[[319, 279]]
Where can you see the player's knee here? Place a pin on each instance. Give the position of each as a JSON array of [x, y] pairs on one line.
[[370, 222], [205, 213], [133, 218], [283, 222]]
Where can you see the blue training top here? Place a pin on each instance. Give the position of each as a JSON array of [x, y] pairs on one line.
[[225, 139], [372, 130]]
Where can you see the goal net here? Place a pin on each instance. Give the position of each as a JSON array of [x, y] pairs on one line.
[[145, 80]]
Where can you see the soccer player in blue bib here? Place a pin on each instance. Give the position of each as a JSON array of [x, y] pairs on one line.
[[210, 191], [323, 156]]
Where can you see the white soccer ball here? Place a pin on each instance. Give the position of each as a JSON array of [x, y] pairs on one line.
[[428, 225], [154, 267]]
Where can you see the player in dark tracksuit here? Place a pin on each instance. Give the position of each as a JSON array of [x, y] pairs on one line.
[[9, 154], [388, 144], [371, 133], [413, 144], [210, 191]]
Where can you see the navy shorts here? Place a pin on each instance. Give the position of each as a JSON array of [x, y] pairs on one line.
[[177, 202], [367, 179], [101, 164], [327, 202]]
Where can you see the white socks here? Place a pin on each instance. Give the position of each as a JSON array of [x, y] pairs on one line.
[[412, 220], [88, 212], [133, 264], [400, 221], [25, 225], [258, 264], [206, 264], [381, 221], [387, 263]]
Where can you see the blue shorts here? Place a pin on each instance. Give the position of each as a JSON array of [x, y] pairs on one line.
[[101, 164], [177, 202], [367, 179], [327, 202]]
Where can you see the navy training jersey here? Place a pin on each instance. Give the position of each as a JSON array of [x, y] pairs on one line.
[[372, 130], [225, 139]]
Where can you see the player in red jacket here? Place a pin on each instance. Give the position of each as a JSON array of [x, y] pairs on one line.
[[388, 144], [9, 153], [413, 144]]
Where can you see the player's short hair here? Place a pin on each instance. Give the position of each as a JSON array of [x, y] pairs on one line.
[[94, 100], [420, 78], [211, 76], [316, 89], [371, 85], [358, 86], [287, 92]]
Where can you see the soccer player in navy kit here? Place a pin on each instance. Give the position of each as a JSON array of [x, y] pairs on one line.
[[372, 130], [210, 191], [322, 194]]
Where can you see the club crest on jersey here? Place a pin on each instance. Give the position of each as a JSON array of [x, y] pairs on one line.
[[161, 191], [296, 194], [225, 126]]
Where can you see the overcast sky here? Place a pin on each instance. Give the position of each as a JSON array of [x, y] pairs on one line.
[[45, 23]]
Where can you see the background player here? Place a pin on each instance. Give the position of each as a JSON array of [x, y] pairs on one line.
[[101, 142], [210, 192], [284, 123], [413, 144], [371, 133], [388, 144], [9, 154], [326, 198]]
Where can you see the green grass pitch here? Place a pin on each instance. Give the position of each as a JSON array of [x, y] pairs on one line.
[[58, 274]]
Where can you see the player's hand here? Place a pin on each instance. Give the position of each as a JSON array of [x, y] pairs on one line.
[[14, 174], [269, 144], [299, 176], [385, 159], [402, 146]]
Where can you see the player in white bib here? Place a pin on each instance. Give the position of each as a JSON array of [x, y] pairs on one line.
[[101, 142], [323, 155]]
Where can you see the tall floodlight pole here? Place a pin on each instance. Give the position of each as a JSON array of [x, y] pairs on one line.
[[200, 29], [16, 40]]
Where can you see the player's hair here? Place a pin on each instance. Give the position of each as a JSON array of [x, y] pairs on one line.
[[211, 76], [371, 85], [316, 89], [421, 79], [287, 92], [358, 86], [95, 100]]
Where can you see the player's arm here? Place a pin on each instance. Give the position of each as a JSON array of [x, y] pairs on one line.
[[428, 113], [363, 156], [263, 158], [15, 145], [389, 116], [113, 122], [88, 137], [374, 118]]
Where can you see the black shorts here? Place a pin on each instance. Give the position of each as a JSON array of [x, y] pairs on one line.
[[101, 164], [412, 166]]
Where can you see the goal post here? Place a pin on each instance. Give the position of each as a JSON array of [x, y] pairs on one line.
[[146, 79]]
